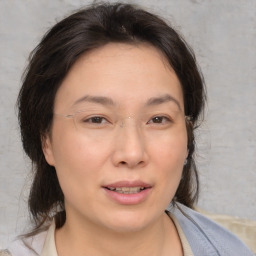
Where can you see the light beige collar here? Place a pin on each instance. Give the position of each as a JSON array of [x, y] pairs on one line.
[[49, 248], [187, 251]]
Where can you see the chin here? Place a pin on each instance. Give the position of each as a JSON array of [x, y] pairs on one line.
[[127, 227], [129, 221]]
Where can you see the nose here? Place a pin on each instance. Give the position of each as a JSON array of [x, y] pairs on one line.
[[129, 147]]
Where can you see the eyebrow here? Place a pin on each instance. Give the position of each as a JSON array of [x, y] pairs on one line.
[[95, 99], [108, 101], [163, 99]]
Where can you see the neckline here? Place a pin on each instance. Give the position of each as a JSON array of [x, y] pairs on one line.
[[49, 247]]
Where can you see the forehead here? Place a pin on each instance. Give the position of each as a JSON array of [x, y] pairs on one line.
[[122, 72]]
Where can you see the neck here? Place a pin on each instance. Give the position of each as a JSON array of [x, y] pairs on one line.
[[158, 239]]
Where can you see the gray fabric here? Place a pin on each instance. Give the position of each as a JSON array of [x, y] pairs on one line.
[[206, 237]]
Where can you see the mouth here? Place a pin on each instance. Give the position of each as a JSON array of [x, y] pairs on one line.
[[126, 190]]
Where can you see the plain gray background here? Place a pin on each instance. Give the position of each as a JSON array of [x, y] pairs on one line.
[[223, 35]]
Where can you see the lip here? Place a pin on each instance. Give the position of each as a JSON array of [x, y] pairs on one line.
[[128, 199], [129, 184]]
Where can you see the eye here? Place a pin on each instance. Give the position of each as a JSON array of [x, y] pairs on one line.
[[95, 120], [159, 120]]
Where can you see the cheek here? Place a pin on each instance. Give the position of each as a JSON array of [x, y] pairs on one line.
[[168, 158], [77, 160], [74, 150], [78, 167], [171, 149]]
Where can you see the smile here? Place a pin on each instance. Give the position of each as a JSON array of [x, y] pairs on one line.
[[127, 190]]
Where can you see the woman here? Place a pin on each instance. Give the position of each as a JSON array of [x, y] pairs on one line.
[[107, 111]]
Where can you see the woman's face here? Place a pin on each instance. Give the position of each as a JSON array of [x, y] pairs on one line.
[[119, 159]]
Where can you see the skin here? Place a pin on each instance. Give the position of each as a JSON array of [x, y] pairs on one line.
[[127, 145]]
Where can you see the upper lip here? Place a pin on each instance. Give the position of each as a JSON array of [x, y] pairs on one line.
[[128, 184]]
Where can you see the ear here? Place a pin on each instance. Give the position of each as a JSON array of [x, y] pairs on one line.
[[47, 149]]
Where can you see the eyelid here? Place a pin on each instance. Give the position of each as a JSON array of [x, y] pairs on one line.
[[87, 118], [167, 117]]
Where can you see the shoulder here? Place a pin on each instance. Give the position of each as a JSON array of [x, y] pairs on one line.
[[31, 246], [207, 237]]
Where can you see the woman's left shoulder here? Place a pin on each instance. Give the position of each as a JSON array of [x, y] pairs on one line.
[[205, 236]]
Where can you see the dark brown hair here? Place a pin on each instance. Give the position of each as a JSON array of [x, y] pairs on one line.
[[52, 59]]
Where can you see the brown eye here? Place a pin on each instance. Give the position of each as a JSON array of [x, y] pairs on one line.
[[95, 120], [159, 120]]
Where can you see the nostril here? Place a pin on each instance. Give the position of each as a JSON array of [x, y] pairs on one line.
[[141, 162], [131, 164]]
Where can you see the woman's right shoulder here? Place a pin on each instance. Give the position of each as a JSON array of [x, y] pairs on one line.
[[29, 246]]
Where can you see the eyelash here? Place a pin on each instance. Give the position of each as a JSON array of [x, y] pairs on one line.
[[167, 119], [99, 120], [90, 120]]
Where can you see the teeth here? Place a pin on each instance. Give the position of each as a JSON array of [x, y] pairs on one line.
[[127, 190]]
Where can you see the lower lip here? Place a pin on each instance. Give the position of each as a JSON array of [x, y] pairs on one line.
[[128, 199]]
